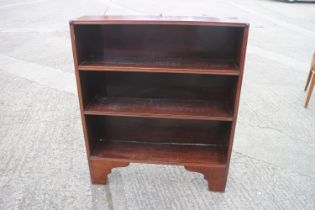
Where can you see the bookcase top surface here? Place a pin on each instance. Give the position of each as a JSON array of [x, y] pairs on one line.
[[161, 20]]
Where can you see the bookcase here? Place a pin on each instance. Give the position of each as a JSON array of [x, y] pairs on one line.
[[161, 90]]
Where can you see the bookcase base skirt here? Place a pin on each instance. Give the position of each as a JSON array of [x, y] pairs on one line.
[[216, 176]]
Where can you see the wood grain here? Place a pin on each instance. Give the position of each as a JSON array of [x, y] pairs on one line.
[[158, 130], [179, 20], [159, 153], [159, 108], [161, 65]]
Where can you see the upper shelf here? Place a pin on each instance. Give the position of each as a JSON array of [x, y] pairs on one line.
[[162, 48], [160, 65]]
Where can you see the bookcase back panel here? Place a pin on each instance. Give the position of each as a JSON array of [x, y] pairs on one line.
[[154, 130], [160, 42], [158, 86]]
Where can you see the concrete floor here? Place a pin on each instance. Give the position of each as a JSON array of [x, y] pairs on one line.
[[42, 155]]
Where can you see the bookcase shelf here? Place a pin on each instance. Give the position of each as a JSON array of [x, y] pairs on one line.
[[158, 95], [151, 140], [159, 153], [159, 90], [159, 108], [160, 64]]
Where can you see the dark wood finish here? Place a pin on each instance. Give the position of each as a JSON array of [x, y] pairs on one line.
[[152, 130], [181, 96], [194, 49], [101, 168], [159, 90], [159, 20], [144, 152], [159, 108], [161, 65], [215, 176]]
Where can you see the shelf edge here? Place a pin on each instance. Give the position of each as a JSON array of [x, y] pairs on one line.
[[94, 157], [227, 72], [162, 116]]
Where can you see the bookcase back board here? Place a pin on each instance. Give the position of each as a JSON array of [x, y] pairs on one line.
[[159, 90]]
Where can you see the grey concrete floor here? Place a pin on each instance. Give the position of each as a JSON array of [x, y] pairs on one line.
[[42, 155]]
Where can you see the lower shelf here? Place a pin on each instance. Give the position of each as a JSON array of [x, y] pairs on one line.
[[148, 152]]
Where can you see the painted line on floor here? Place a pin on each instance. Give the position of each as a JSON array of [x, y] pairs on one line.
[[277, 57], [289, 26], [65, 81], [44, 75], [21, 4]]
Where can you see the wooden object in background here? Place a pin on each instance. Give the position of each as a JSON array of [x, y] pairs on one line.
[[310, 83], [159, 90]]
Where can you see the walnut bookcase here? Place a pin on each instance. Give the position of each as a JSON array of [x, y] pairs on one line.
[[159, 90]]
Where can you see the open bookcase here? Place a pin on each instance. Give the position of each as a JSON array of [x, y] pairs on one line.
[[159, 90]]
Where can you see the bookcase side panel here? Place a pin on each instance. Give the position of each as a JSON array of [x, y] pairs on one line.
[[76, 55], [237, 94]]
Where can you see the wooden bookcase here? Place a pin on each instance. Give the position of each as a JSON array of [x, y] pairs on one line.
[[159, 90]]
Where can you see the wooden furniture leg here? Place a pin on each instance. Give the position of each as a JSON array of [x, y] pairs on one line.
[[308, 78], [312, 84], [216, 176], [101, 168]]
